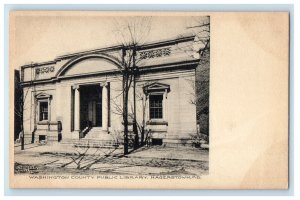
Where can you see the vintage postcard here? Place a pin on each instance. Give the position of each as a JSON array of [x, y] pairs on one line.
[[153, 100]]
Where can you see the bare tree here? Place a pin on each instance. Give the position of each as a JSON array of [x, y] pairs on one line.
[[21, 96], [130, 32], [200, 26], [18, 109], [141, 125]]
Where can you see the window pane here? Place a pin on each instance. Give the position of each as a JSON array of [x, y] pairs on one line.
[[43, 111], [151, 103], [156, 106]]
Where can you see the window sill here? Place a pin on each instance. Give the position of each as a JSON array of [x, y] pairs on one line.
[[157, 122], [44, 122]]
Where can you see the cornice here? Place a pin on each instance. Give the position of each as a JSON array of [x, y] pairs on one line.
[[170, 66]]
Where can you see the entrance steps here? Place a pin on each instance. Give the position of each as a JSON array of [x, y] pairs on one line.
[[98, 133], [90, 143], [95, 138]]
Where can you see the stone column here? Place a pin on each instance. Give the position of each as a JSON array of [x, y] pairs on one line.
[[104, 107], [58, 103], [77, 108]]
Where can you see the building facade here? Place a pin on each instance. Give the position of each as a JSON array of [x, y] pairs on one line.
[[80, 95]]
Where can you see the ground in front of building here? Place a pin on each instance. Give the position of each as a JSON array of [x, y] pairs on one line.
[[68, 159]]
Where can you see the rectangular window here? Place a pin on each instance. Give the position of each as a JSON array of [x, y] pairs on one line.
[[43, 111], [156, 109]]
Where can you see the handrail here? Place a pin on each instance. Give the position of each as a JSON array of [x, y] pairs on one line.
[[84, 131]]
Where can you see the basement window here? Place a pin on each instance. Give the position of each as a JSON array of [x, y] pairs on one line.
[[42, 138], [157, 141]]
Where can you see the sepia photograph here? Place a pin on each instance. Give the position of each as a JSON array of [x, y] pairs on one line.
[[130, 98]]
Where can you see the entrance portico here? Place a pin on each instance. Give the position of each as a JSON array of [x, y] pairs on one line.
[[90, 106]]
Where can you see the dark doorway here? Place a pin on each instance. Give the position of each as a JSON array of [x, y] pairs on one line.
[[90, 106]]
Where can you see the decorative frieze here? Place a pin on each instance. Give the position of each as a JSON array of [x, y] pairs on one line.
[[42, 70], [155, 53]]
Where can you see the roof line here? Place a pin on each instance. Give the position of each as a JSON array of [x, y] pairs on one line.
[[167, 42], [140, 47], [89, 51]]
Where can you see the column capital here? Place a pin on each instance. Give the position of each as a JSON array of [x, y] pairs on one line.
[[75, 87], [104, 84]]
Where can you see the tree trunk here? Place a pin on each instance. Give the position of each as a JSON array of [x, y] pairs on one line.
[[22, 124], [142, 136], [135, 131], [143, 139], [125, 111], [34, 117], [22, 141], [22, 135]]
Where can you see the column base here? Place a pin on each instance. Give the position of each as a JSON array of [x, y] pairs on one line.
[[75, 135]]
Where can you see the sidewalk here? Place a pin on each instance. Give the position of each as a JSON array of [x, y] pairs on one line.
[[55, 147], [171, 153], [158, 152]]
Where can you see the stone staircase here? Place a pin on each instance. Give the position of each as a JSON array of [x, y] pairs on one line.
[[98, 133], [95, 138]]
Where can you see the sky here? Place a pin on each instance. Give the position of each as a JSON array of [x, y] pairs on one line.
[[42, 37]]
